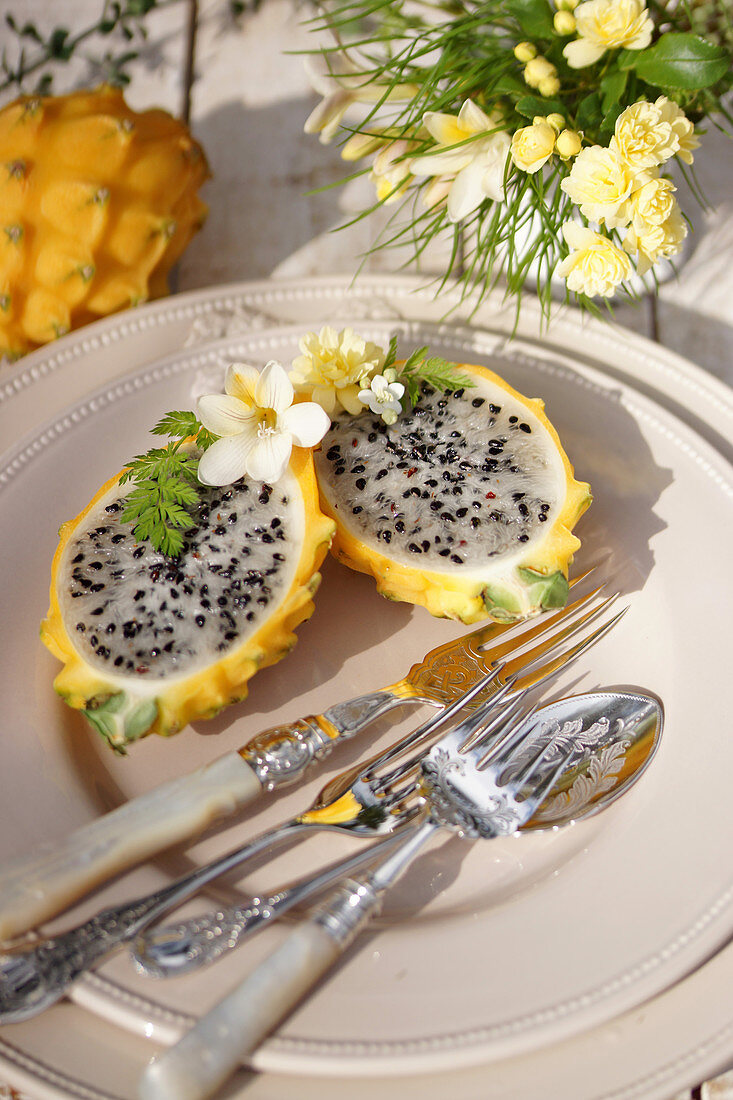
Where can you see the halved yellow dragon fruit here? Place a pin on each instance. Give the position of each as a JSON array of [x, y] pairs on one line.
[[150, 642], [465, 505], [97, 202]]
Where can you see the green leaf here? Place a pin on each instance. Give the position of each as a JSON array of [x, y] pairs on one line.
[[534, 17], [683, 61], [589, 113], [627, 59], [612, 88], [531, 105]]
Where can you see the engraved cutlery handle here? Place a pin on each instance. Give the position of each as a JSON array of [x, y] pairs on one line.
[[36, 887], [224, 1037]]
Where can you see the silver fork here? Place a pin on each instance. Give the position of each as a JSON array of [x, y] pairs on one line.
[[38, 886], [474, 782], [32, 978]]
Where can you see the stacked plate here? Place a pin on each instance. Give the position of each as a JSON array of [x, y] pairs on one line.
[[589, 963]]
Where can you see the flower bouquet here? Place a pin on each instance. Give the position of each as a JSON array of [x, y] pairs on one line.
[[540, 138]]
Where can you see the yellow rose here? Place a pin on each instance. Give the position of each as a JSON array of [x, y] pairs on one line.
[[568, 144], [683, 129], [643, 138], [608, 25], [652, 204], [600, 183], [532, 146], [657, 241], [595, 265], [537, 70]]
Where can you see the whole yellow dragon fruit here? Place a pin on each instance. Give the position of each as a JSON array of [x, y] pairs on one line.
[[97, 202]]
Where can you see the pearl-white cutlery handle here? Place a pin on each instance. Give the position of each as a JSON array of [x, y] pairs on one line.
[[207, 1055], [35, 887]]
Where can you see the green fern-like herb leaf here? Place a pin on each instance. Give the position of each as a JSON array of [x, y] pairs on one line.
[[166, 484]]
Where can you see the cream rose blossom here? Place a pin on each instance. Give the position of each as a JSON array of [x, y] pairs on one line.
[[656, 242], [652, 204], [532, 146], [600, 183], [595, 265], [642, 138], [688, 140], [334, 366], [608, 25]]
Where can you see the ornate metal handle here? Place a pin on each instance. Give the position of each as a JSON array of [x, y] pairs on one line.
[[33, 978]]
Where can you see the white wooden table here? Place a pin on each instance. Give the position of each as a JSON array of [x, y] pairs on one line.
[[247, 99]]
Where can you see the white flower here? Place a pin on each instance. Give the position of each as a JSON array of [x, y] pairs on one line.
[[476, 166], [258, 425], [342, 83], [384, 396], [608, 25], [334, 366]]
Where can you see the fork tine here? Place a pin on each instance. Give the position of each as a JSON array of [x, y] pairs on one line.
[[539, 793], [532, 676], [497, 725], [545, 624]]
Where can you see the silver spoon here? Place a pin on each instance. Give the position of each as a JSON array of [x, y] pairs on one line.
[[621, 735]]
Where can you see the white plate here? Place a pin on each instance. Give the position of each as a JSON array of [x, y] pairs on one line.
[[673, 1041], [573, 928]]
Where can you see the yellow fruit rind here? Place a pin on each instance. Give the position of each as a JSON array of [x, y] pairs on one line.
[[205, 693], [530, 584], [97, 203]]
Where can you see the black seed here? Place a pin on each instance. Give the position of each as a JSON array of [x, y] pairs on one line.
[[360, 483], [382, 473], [475, 521], [357, 509], [495, 408], [523, 538], [232, 517], [457, 559], [111, 627], [264, 495], [444, 553], [222, 601], [139, 594], [414, 548], [80, 557], [81, 627], [220, 530], [399, 526], [103, 652], [199, 620], [96, 587], [478, 402], [542, 518], [461, 512], [525, 428], [98, 611], [276, 522], [425, 545], [358, 469], [139, 552], [118, 661]]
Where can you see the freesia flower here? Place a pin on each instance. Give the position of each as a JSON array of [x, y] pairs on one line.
[[608, 25], [257, 424], [532, 146], [334, 366], [656, 242], [391, 172], [477, 166], [600, 183], [341, 83], [384, 395], [595, 265]]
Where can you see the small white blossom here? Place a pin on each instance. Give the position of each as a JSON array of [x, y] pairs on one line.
[[258, 424], [384, 396]]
